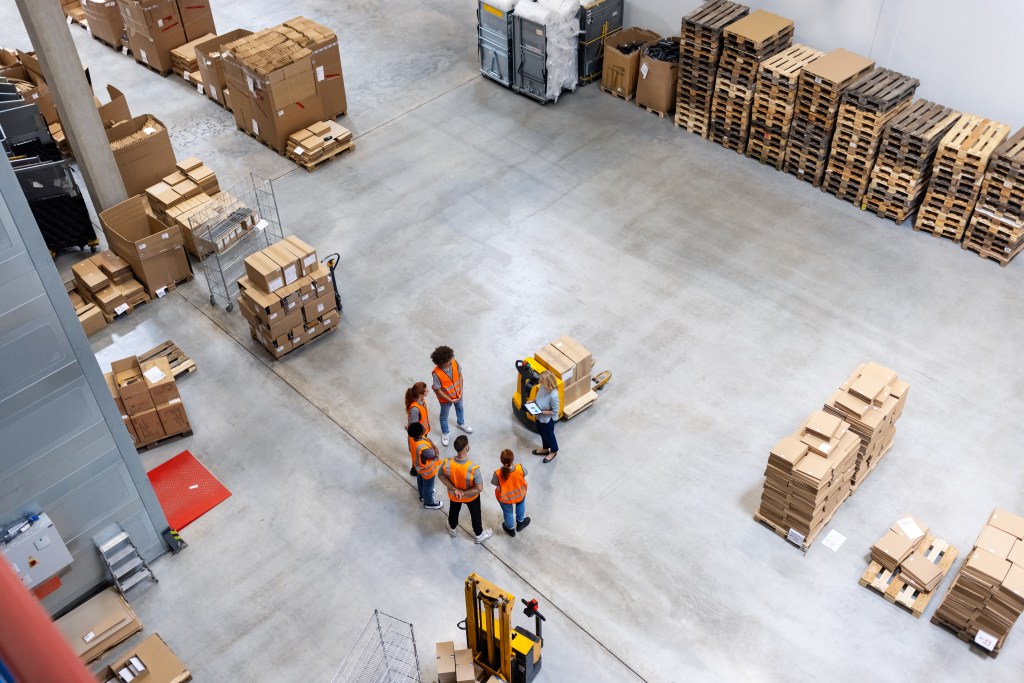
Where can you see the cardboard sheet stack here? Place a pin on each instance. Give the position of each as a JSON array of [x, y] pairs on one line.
[[996, 230], [184, 61], [900, 175], [560, 19], [105, 22], [778, 79], [572, 364], [319, 142], [746, 44], [183, 194], [808, 476], [987, 596], [902, 539], [151, 661], [155, 27], [821, 87], [148, 398], [957, 174], [700, 49], [871, 400], [867, 106], [98, 624], [104, 281], [286, 296]]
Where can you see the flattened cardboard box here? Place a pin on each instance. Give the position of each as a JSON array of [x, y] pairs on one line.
[[98, 624]]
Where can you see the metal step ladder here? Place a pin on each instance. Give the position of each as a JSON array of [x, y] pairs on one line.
[[124, 561]]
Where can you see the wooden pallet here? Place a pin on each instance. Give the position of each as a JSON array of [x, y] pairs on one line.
[[163, 74], [112, 47], [652, 110], [964, 636], [783, 532], [895, 590], [179, 361], [628, 98], [162, 440], [331, 156]]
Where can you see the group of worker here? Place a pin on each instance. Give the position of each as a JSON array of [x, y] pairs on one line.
[[460, 475]]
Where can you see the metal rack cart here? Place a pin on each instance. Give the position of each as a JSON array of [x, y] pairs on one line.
[[236, 223], [385, 652], [57, 204]]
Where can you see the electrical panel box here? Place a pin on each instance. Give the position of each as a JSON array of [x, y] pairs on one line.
[[37, 553]]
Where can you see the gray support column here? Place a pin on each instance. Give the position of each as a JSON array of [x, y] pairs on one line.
[[51, 38]]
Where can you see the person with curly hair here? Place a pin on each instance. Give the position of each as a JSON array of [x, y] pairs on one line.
[[448, 387]]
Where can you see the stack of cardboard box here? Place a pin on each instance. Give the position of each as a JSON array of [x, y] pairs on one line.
[[184, 61], [319, 142], [987, 596], [808, 477], [286, 296], [155, 27], [180, 196], [871, 400], [73, 10], [105, 22], [142, 150], [454, 666], [105, 281], [211, 67], [775, 103], [154, 251], [867, 107], [746, 43], [622, 61], [90, 317], [996, 230], [572, 364], [325, 58], [900, 175], [821, 86], [148, 398], [899, 543]]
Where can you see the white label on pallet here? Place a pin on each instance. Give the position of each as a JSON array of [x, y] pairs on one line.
[[833, 540], [142, 54], [199, 88], [213, 91], [643, 70], [255, 127], [186, 76], [121, 309], [986, 640], [795, 537], [161, 293], [910, 528], [173, 401], [817, 79], [69, 21]]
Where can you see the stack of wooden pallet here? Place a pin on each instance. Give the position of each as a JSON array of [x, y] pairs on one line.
[[957, 174], [821, 86], [775, 103], [996, 230], [746, 44], [900, 175], [871, 400], [987, 596], [867, 106], [699, 50]]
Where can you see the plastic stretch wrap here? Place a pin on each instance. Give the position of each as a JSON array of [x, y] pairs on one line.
[[503, 5], [562, 26]]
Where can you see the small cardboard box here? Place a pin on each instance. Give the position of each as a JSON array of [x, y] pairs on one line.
[[160, 380], [173, 417], [267, 305], [554, 360], [148, 426], [89, 275], [288, 262], [264, 272], [291, 295], [318, 307], [620, 71], [131, 385], [282, 325], [575, 352], [656, 87], [91, 318], [305, 253]]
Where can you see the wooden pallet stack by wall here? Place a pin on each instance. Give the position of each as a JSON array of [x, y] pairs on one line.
[[699, 50], [867, 106], [871, 400], [996, 230], [775, 103], [904, 165], [818, 97], [957, 174], [746, 43], [987, 595]]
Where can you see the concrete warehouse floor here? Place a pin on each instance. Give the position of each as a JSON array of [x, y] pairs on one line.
[[728, 299]]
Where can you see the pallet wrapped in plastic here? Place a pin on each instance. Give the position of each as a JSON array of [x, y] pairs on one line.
[[561, 21]]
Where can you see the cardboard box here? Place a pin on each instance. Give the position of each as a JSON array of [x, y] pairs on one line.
[[91, 319], [282, 325], [161, 663], [154, 29], [154, 251], [330, 320], [575, 352], [305, 253], [620, 71], [291, 296], [656, 86], [114, 111], [196, 18], [148, 426], [211, 67], [105, 22], [143, 152], [131, 385], [288, 262], [552, 359], [98, 625], [268, 305], [173, 417], [159, 380], [264, 272], [88, 275], [274, 125], [318, 307]]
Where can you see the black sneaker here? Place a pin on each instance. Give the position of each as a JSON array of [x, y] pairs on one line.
[[523, 524], [510, 532]]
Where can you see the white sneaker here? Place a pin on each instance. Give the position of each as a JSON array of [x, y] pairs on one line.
[[466, 428], [444, 439], [484, 535], [435, 506], [452, 532]]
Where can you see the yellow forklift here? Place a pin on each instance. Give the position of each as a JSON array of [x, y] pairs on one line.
[[528, 383], [511, 654]]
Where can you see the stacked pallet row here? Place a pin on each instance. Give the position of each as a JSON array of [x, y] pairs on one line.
[[808, 477], [821, 86], [746, 44], [867, 107], [957, 174], [700, 47], [996, 230], [775, 103], [904, 165], [987, 596], [871, 400]]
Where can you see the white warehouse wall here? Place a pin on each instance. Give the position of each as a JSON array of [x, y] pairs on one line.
[[967, 55]]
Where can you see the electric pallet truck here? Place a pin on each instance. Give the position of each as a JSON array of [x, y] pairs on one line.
[[528, 383], [511, 654]]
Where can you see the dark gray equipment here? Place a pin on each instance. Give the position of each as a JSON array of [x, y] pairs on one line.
[[529, 59], [598, 20], [494, 29]]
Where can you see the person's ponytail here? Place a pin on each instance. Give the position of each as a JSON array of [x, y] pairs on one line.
[[507, 458], [412, 392]]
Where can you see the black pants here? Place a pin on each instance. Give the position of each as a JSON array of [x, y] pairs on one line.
[[547, 435], [474, 514]]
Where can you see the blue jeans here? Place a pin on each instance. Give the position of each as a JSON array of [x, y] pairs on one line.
[[547, 435], [520, 512], [445, 409], [426, 488]]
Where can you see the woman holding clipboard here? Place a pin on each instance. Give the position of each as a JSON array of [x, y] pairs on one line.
[[549, 407]]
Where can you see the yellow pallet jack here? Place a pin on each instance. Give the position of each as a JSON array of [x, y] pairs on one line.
[[511, 654], [528, 383]]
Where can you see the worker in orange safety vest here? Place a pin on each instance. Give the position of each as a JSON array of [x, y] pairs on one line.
[[416, 411], [428, 460], [510, 480], [462, 478], [447, 386]]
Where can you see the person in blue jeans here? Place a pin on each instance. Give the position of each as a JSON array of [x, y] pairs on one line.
[[510, 481], [547, 401], [428, 460], [447, 386]]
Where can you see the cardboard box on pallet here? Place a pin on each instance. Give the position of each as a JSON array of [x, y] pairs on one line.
[[105, 22], [154, 29], [154, 251], [211, 67], [142, 150], [325, 61], [621, 70], [196, 19], [656, 86]]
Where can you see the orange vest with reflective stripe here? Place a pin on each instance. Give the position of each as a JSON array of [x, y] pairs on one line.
[[512, 489], [461, 475], [424, 415], [451, 387], [426, 468]]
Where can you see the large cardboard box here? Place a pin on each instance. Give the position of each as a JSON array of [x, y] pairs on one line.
[[105, 22], [154, 251], [325, 60], [91, 319], [131, 385], [620, 71], [274, 125], [161, 664], [143, 152], [318, 307], [98, 625], [552, 359], [154, 29], [264, 272], [575, 352], [114, 111], [211, 67], [173, 417], [196, 18], [288, 262], [148, 426], [160, 380], [656, 86], [305, 253]]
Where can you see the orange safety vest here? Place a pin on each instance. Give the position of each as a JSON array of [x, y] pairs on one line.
[[512, 489], [451, 387], [424, 415], [426, 468], [463, 475]]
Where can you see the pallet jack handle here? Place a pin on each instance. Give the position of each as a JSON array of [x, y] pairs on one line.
[[532, 611], [331, 261]]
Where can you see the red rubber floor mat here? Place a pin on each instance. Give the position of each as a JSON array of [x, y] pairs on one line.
[[186, 489]]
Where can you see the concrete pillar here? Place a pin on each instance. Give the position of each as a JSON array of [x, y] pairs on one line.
[[62, 68]]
